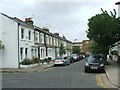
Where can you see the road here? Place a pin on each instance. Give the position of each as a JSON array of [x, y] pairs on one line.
[[71, 76]]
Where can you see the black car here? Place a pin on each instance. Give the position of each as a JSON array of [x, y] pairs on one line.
[[94, 62], [71, 59], [75, 57]]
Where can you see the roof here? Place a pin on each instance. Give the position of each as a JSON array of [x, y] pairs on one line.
[[6, 15], [42, 30], [77, 42], [17, 20], [117, 3], [23, 22], [28, 25]]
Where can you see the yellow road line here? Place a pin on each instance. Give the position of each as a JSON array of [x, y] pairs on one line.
[[100, 83]]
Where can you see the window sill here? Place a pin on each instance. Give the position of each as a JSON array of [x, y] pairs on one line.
[[42, 43], [22, 39], [30, 41]]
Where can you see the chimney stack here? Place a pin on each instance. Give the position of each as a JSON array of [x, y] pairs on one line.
[[56, 34], [64, 37], [45, 29], [29, 20]]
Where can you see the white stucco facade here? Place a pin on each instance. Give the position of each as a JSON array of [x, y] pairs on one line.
[[27, 49], [42, 52], [9, 55], [1, 40], [119, 10], [15, 47], [51, 53], [21, 40]]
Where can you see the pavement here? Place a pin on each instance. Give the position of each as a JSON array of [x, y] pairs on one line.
[[112, 72], [26, 70]]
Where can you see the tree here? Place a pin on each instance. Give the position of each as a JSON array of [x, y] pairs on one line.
[[104, 30], [62, 49], [76, 50], [94, 48]]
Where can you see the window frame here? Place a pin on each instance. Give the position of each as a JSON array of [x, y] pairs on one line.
[[22, 33]]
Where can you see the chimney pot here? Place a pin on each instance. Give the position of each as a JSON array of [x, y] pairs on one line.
[[29, 20]]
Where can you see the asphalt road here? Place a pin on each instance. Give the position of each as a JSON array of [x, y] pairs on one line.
[[71, 76]]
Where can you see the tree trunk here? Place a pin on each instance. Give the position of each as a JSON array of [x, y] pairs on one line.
[[105, 53]]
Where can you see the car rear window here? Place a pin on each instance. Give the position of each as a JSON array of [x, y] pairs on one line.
[[94, 59], [59, 58]]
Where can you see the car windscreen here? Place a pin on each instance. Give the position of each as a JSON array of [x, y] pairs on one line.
[[94, 59]]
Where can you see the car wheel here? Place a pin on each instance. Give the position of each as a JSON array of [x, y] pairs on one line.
[[65, 64], [86, 70]]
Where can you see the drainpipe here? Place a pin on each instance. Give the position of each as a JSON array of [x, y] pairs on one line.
[[39, 50], [18, 47]]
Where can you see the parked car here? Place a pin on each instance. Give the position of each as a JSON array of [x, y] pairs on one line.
[[94, 62], [80, 57], [75, 57], [71, 59], [61, 61]]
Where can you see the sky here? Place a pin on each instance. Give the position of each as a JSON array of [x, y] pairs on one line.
[[66, 17]]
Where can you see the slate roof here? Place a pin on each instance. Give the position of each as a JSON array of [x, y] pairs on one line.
[[117, 3], [23, 23]]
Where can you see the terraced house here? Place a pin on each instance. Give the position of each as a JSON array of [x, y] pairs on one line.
[[22, 39]]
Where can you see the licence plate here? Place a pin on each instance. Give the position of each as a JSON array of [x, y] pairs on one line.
[[94, 67]]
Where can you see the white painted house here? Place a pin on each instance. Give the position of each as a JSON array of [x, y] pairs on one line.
[[9, 33], [27, 38], [21, 39], [18, 39]]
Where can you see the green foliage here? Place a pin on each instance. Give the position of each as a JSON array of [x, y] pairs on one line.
[[94, 48], [104, 30], [26, 61], [62, 49], [114, 52], [35, 60], [47, 59], [76, 50]]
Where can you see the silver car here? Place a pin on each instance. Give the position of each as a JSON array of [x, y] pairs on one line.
[[61, 61]]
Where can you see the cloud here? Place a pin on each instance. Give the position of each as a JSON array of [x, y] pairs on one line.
[[66, 17]]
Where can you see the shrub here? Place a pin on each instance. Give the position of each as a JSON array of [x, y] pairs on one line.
[[114, 52], [35, 60], [47, 59], [26, 61]]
